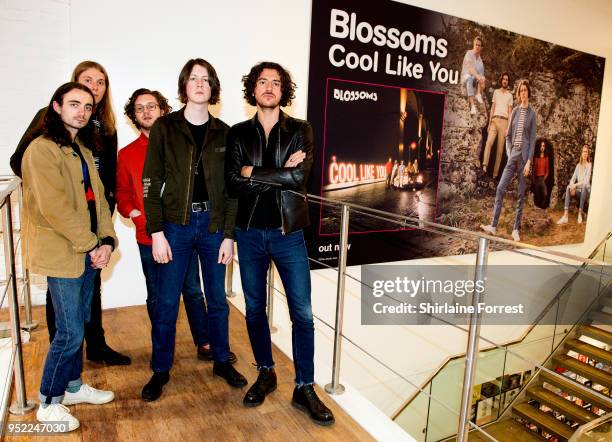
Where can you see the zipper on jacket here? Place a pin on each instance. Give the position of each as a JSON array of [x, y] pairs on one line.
[[259, 161], [279, 198], [188, 183]]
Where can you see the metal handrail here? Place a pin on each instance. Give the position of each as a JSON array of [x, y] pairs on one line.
[[22, 405], [589, 426], [444, 229]]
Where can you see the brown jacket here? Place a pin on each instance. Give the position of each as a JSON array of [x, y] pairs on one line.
[[56, 219]]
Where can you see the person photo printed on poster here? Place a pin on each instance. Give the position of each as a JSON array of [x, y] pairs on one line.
[[381, 150]]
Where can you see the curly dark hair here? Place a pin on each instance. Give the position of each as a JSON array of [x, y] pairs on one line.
[[213, 80], [287, 85], [129, 109]]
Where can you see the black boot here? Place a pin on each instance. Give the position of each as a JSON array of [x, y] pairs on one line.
[[263, 386], [227, 371], [306, 399], [106, 354], [154, 387], [205, 354]]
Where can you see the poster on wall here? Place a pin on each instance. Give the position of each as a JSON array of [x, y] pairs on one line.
[[410, 110]]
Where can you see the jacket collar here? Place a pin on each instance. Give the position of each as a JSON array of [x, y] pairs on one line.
[[179, 115]]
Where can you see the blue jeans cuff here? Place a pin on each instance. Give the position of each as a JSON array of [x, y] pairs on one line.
[[50, 399], [75, 383], [301, 384]]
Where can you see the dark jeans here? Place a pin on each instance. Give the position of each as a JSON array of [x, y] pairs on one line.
[[514, 167], [256, 247], [183, 241], [71, 298], [192, 293], [94, 333]]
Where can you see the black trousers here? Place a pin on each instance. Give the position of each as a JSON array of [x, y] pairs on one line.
[[94, 333]]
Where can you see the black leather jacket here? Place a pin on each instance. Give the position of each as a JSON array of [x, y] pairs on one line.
[[245, 144]]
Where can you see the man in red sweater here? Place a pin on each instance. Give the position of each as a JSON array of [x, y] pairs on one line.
[[143, 108]]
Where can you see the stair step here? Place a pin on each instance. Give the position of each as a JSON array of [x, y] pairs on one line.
[[589, 350], [543, 420], [601, 317], [561, 405], [588, 371], [596, 333], [572, 388]]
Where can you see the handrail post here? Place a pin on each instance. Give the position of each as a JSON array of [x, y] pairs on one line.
[[270, 303], [22, 405], [29, 323], [334, 387], [472, 348], [229, 279]]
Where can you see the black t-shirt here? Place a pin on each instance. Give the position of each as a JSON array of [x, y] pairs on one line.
[[267, 212], [200, 193]]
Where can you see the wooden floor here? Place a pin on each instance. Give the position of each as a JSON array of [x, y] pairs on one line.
[[195, 405]]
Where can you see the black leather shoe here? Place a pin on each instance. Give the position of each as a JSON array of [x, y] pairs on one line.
[[107, 355], [226, 371], [305, 398], [263, 386], [205, 354], [154, 387]]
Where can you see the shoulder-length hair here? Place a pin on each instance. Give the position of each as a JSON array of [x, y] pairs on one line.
[[213, 80], [54, 128], [250, 80], [518, 89], [104, 109], [130, 106]]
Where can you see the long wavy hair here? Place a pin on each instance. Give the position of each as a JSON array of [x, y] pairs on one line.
[[104, 109], [54, 128]]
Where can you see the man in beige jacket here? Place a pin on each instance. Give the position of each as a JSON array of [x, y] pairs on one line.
[[69, 234]]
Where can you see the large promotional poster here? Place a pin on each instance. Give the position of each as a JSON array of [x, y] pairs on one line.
[[445, 120]]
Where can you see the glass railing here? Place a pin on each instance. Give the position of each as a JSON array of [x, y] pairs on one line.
[[418, 377], [571, 292]]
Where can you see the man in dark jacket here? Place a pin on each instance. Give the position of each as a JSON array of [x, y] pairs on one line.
[[187, 209], [268, 157]]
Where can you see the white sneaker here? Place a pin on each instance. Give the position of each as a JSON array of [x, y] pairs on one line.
[[489, 229], [479, 98], [516, 236], [580, 218], [473, 110], [562, 220], [88, 395], [58, 414]]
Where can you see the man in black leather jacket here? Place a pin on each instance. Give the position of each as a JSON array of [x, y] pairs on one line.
[[267, 158]]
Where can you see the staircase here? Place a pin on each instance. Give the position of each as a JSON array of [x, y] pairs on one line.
[[553, 408]]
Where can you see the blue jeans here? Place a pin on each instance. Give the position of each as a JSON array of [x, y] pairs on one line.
[[470, 85], [183, 241], [256, 247], [71, 299], [514, 166], [192, 293], [580, 195]]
